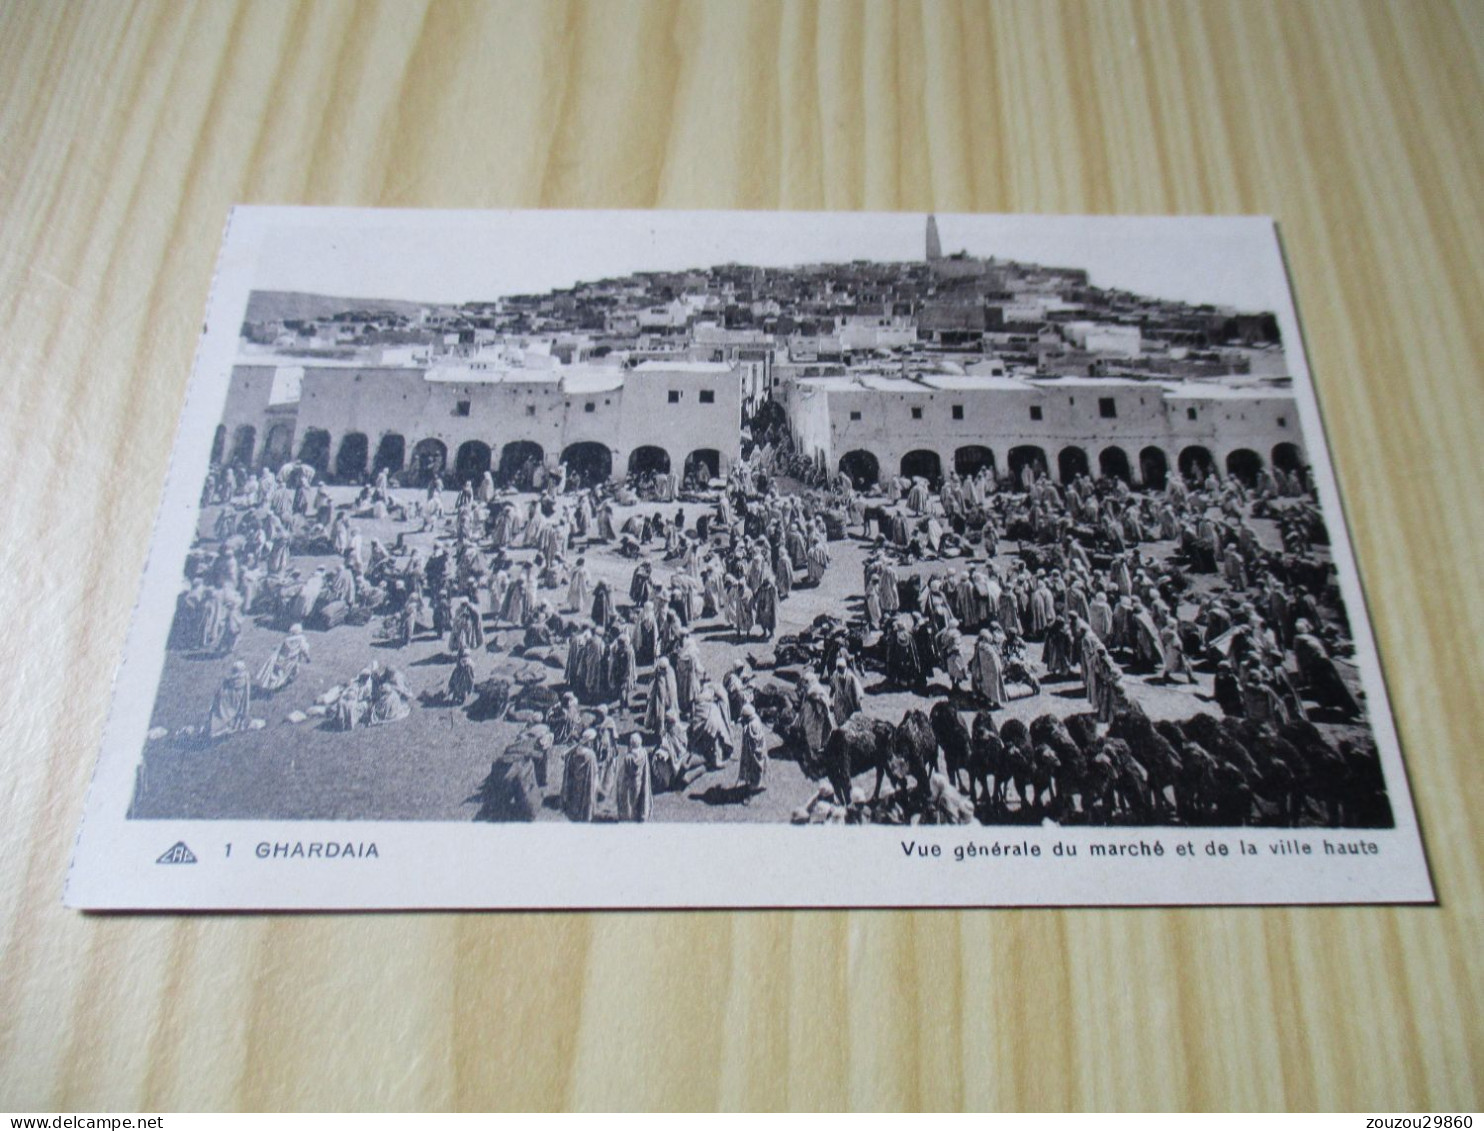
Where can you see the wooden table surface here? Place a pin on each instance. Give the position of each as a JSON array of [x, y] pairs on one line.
[[128, 130]]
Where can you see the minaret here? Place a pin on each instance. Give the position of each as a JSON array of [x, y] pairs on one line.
[[934, 245]]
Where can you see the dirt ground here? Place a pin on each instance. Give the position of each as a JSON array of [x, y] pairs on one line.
[[430, 765]]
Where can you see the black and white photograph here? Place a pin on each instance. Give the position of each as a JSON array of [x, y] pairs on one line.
[[745, 550]]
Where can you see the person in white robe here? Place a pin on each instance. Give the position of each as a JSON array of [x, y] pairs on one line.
[[579, 588], [752, 769], [280, 669], [663, 696], [988, 670], [635, 800], [231, 705]]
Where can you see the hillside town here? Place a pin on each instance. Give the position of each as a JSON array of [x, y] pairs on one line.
[[951, 540], [1037, 320], [679, 371]]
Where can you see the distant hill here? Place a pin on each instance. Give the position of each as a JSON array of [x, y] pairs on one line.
[[275, 306]]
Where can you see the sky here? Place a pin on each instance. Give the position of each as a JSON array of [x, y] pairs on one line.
[[453, 257]]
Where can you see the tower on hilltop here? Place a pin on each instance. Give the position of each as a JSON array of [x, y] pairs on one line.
[[934, 245]]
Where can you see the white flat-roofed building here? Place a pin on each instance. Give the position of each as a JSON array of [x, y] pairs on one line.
[[876, 425], [461, 418], [1108, 338], [258, 415]]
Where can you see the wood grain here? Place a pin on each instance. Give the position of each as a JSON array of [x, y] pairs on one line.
[[127, 132]]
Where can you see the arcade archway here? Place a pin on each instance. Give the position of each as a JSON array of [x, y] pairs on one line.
[[244, 443], [350, 460], [1245, 465], [518, 459], [1026, 458], [1154, 468], [648, 458], [862, 468], [703, 464], [972, 459], [923, 464], [278, 446], [1287, 457], [470, 462], [1196, 462], [429, 460], [588, 463], [1071, 463], [314, 450], [391, 454], [1113, 464]]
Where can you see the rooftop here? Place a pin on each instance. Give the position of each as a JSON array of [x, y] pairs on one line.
[[947, 382], [698, 367], [974, 381], [1075, 382], [921, 383], [598, 379], [502, 375], [1191, 390]]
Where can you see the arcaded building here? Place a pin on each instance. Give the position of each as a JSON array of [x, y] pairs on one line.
[[459, 420], [870, 426]]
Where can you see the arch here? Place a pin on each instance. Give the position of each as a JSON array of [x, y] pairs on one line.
[[470, 462], [244, 443], [862, 467], [972, 459], [517, 460], [314, 450], [1195, 462], [1244, 464], [1287, 457], [1154, 468], [219, 443], [1071, 462], [1113, 464], [647, 458], [429, 460], [350, 460], [278, 446], [589, 463], [391, 454], [924, 464], [704, 463], [1024, 457]]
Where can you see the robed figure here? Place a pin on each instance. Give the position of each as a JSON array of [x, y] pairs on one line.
[[1318, 672], [229, 708], [640, 585], [634, 794], [845, 691], [622, 668], [689, 674], [988, 671], [579, 587], [467, 631], [279, 670], [663, 696], [520, 598], [765, 605], [461, 679], [602, 605], [580, 780], [752, 770], [903, 661]]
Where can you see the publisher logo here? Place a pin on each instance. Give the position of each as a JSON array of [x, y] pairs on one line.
[[178, 854]]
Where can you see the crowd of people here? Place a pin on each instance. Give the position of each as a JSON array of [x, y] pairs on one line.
[[975, 590]]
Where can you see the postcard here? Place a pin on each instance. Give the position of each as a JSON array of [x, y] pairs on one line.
[[674, 559]]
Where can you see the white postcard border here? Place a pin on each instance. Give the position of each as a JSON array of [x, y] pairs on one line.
[[469, 865]]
